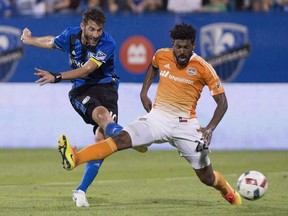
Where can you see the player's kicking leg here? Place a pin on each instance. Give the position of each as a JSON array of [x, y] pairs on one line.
[[233, 197], [206, 175], [113, 128], [226, 190], [67, 153]]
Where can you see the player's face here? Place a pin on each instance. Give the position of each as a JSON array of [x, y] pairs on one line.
[[91, 33], [182, 50]]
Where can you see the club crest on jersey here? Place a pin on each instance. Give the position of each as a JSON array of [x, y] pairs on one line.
[[11, 50], [225, 46], [191, 71], [100, 56]]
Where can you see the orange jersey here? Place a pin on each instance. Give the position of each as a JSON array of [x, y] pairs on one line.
[[180, 89]]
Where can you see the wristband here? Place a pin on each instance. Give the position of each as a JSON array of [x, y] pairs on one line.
[[57, 77]]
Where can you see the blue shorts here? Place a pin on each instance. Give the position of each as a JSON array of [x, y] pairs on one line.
[[85, 99]]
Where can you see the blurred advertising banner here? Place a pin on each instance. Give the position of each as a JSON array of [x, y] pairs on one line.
[[241, 51]]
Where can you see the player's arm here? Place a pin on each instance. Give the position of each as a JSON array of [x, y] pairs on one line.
[[46, 42], [151, 74], [220, 110], [50, 77], [81, 72]]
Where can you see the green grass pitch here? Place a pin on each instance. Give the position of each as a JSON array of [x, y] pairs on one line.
[[33, 182]]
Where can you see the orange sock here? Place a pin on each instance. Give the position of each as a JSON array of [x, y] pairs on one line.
[[96, 151], [220, 183]]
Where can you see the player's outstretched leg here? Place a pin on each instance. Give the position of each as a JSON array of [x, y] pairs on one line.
[[113, 128], [232, 196], [67, 153], [226, 190]]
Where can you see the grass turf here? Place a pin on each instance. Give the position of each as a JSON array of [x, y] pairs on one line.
[[32, 182]]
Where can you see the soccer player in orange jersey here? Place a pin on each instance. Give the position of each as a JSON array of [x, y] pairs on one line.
[[172, 117]]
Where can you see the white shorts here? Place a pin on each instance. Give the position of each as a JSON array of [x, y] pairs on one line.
[[160, 127]]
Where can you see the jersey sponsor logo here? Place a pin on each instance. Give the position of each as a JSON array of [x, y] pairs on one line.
[[167, 74], [11, 50], [100, 56], [225, 46], [136, 54], [75, 63]]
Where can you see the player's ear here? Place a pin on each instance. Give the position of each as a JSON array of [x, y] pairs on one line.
[[194, 45], [82, 26]]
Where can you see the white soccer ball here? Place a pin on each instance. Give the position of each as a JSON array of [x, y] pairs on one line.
[[252, 185]]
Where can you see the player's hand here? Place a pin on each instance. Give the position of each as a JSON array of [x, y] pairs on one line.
[[147, 103], [45, 77], [26, 35], [206, 134]]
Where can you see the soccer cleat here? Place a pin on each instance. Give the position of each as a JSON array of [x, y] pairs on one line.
[[67, 152], [232, 196], [79, 197], [141, 149]]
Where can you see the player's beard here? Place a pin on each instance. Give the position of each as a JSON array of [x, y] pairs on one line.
[[90, 40], [182, 60]]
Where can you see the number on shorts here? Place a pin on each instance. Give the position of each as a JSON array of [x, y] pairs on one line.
[[201, 146], [113, 116]]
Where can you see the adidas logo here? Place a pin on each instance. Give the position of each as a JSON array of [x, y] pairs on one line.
[[164, 73], [73, 53], [167, 66]]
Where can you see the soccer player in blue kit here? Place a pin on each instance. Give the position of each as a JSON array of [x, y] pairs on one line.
[[94, 93]]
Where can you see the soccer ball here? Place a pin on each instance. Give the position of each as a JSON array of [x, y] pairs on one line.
[[252, 185]]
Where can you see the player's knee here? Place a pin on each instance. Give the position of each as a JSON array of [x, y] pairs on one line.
[[101, 116], [101, 112], [122, 140]]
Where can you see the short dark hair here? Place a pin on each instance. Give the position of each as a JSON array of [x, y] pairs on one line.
[[94, 14], [183, 31]]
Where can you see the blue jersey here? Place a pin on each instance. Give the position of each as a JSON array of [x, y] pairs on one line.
[[70, 41]]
